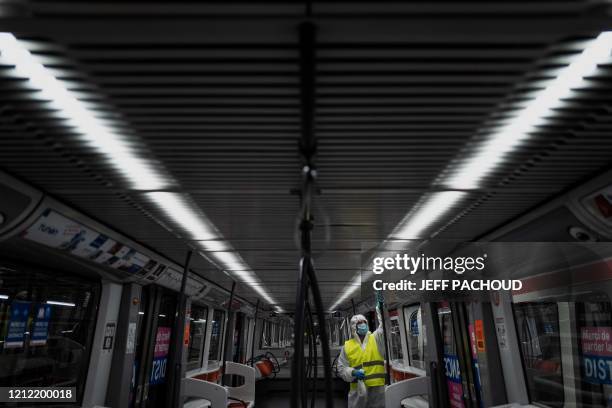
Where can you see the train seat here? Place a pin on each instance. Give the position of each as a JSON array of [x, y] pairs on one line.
[[407, 392], [415, 402], [245, 392], [204, 394]]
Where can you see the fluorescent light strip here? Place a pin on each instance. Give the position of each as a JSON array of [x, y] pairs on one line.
[[4, 297], [184, 213], [120, 151], [535, 113], [95, 132], [471, 172], [425, 214], [56, 303]]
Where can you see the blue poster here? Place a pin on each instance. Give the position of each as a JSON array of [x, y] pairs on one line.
[[598, 369], [40, 328], [451, 368], [414, 326], [18, 322], [158, 371]]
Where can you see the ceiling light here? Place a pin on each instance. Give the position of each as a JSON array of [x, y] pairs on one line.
[[426, 213], [179, 208], [506, 138], [4, 297], [56, 303], [97, 133]]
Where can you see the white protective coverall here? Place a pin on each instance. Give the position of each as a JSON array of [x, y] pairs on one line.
[[375, 398]]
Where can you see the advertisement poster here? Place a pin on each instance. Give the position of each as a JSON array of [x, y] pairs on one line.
[[453, 381], [54, 230], [17, 325], [40, 327], [596, 343], [160, 355], [474, 349], [57, 231]]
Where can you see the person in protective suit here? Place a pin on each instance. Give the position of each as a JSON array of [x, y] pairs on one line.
[[362, 359]]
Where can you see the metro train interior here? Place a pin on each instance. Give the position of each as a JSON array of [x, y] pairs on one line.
[[197, 197]]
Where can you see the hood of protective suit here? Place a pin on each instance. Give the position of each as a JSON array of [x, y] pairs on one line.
[[354, 320]]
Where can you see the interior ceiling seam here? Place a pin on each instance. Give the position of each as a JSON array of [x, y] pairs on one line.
[[126, 155], [487, 154]]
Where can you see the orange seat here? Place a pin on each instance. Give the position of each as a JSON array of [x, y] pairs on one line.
[[265, 367]]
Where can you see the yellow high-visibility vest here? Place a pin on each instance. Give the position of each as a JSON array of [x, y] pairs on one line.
[[369, 359]]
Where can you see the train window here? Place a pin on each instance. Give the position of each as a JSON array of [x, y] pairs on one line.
[[538, 330], [346, 331], [197, 335], [334, 332], [275, 335], [416, 336], [452, 371], [543, 328], [244, 339], [216, 334], [594, 327], [395, 337], [269, 335], [265, 341], [46, 327], [282, 337]]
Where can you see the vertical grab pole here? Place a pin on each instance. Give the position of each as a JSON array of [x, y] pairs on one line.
[[175, 395], [254, 331], [380, 303], [227, 341], [297, 364], [316, 294], [307, 278]]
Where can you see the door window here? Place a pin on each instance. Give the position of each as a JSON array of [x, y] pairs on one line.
[[47, 320], [451, 358], [197, 334], [158, 379], [216, 336], [538, 331], [395, 337], [416, 336]]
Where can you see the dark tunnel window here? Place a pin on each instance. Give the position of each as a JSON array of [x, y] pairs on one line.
[[47, 320], [197, 336], [538, 330]]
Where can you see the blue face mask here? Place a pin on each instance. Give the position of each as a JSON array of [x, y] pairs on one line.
[[362, 329]]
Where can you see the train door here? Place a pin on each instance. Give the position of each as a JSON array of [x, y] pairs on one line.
[[485, 361], [471, 362], [458, 360], [153, 353], [238, 350]]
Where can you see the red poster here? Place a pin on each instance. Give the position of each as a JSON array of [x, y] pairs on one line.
[[162, 342]]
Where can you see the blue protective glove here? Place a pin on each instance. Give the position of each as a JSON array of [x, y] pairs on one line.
[[380, 299], [359, 374]]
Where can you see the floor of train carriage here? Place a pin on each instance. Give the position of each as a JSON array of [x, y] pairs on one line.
[[281, 401], [275, 393], [279, 398]]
